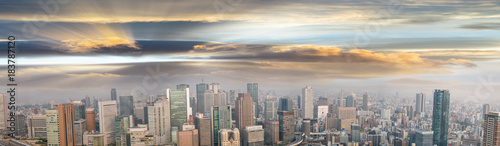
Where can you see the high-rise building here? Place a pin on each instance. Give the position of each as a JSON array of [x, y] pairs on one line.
[[90, 115], [423, 138], [4, 111], [229, 137], [244, 116], [200, 97], [385, 114], [365, 101], [20, 125], [78, 110], [271, 132], [231, 98], [187, 137], [37, 126], [202, 123], [182, 86], [486, 109], [122, 123], [355, 133], [107, 113], [420, 103], [158, 120], [286, 126], [66, 125], [220, 119], [80, 128], [89, 101], [440, 117], [306, 127], [350, 100], [219, 98], [410, 112], [307, 103], [253, 136], [126, 105], [320, 112], [209, 97], [113, 94], [52, 127], [253, 90], [346, 112], [179, 106], [271, 109], [285, 104], [491, 129]]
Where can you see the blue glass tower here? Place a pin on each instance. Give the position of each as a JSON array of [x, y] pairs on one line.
[[440, 112]]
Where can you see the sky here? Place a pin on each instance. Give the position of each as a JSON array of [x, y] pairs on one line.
[[69, 49]]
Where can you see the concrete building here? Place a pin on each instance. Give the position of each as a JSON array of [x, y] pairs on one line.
[[122, 123], [271, 109], [113, 94], [37, 126], [90, 115], [320, 112], [365, 101], [253, 136], [491, 129], [20, 126], [307, 106], [285, 104], [423, 138], [202, 123], [52, 127], [486, 109], [107, 113], [158, 120], [187, 137], [80, 128], [66, 125], [244, 116], [139, 136], [200, 97], [253, 91], [229, 137], [126, 105], [350, 101], [420, 103], [271, 132], [4, 111], [355, 133], [286, 126], [93, 139]]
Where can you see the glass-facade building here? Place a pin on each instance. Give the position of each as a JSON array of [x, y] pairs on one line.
[[221, 119], [440, 117], [179, 106], [126, 105]]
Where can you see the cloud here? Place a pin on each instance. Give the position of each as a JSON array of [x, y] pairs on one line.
[[95, 75], [93, 45], [482, 26], [415, 81]]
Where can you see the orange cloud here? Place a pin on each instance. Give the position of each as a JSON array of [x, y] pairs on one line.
[[90, 45]]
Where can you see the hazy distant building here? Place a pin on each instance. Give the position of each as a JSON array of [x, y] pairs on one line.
[[491, 129], [107, 113], [346, 112], [350, 101], [89, 101], [253, 136], [220, 119], [182, 86], [244, 116], [306, 127], [271, 109], [307, 103], [202, 123], [253, 90], [285, 104], [158, 120], [385, 114], [4, 111], [179, 106], [126, 105], [229, 137], [113, 94], [231, 98], [420, 103], [486, 109], [286, 126], [37, 126], [200, 96], [271, 132], [365, 101], [78, 110], [440, 117]]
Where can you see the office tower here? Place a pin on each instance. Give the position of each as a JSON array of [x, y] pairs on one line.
[[307, 103], [179, 106], [107, 113], [90, 115], [4, 111], [192, 104], [423, 138], [52, 127], [89, 101], [253, 90], [200, 96], [139, 115], [285, 104], [271, 109], [126, 105], [385, 114], [202, 123], [306, 127], [323, 101], [37, 126], [78, 110], [486, 109], [208, 99], [219, 98], [491, 129], [158, 120], [80, 128], [346, 112], [271, 132], [20, 125], [244, 116], [420, 103], [220, 119], [286, 126], [229, 137], [409, 111], [122, 123], [340, 102], [365, 101], [253, 136], [355, 133], [113, 94], [187, 137], [440, 117], [320, 112], [231, 98], [65, 121], [93, 139], [350, 100], [182, 86], [330, 122]]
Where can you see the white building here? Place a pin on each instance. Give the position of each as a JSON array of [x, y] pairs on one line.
[[159, 120], [107, 114], [307, 103]]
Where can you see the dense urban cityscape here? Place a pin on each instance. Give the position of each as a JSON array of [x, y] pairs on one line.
[[206, 115]]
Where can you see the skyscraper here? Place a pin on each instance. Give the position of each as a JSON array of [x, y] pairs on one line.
[[220, 119], [200, 96], [285, 104], [253, 136], [365, 101], [202, 123], [90, 115], [78, 110], [107, 113], [286, 126], [37, 126], [80, 128], [122, 123], [253, 90], [179, 106], [231, 98], [423, 138], [307, 103], [271, 109], [271, 132], [440, 117], [66, 128], [486, 109], [158, 120], [420, 103], [244, 116], [89, 101], [52, 127], [491, 129], [20, 125], [355, 135], [4, 111], [113, 94], [350, 100], [126, 105]]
